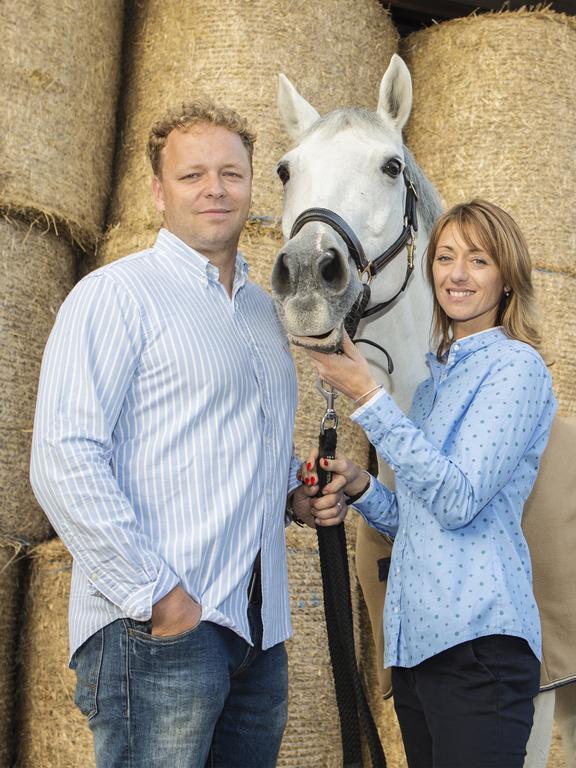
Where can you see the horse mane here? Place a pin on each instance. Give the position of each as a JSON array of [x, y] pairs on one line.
[[429, 202]]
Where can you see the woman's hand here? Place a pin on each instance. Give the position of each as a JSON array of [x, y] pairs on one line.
[[328, 509], [348, 371], [347, 477]]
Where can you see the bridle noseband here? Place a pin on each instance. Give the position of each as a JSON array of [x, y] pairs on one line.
[[366, 268]]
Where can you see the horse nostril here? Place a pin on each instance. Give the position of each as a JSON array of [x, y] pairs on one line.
[[333, 269], [281, 275]]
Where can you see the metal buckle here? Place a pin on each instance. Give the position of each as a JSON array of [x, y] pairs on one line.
[[366, 272]]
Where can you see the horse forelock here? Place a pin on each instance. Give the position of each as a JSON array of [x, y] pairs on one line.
[[429, 202], [348, 117]]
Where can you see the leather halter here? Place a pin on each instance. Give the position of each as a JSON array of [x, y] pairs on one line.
[[365, 267]]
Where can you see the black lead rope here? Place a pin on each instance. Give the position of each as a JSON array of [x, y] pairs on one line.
[[353, 707]]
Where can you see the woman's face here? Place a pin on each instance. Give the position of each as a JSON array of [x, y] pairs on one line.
[[467, 283]]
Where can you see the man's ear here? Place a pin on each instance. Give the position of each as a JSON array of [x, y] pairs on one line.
[[158, 193]]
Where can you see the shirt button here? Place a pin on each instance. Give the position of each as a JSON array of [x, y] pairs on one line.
[[456, 347], [397, 570], [396, 610]]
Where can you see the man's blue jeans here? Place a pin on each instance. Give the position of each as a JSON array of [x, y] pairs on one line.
[[204, 699]]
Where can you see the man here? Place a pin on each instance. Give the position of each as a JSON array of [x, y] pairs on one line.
[[162, 456]]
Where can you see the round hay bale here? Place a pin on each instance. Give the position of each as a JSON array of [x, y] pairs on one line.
[[37, 271], [54, 734], [494, 117], [555, 293], [233, 54], [59, 80], [10, 575]]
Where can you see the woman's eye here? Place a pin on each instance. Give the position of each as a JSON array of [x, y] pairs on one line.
[[392, 168], [283, 172]]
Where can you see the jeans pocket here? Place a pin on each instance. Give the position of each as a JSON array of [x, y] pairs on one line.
[[485, 653], [87, 661], [143, 631]]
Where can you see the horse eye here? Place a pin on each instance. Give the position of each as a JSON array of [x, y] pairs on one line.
[[283, 172], [392, 168]]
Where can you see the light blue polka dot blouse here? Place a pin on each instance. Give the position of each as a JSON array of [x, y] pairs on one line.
[[465, 460]]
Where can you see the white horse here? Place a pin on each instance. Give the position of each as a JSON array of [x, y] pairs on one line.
[[353, 163]]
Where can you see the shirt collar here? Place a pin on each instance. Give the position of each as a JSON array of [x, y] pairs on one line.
[[169, 245], [464, 347]]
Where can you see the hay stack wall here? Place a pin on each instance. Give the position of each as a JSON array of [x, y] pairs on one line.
[[10, 573], [58, 84], [37, 270], [494, 117], [54, 734], [233, 55]]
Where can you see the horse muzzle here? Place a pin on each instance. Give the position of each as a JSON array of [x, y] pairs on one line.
[[314, 287]]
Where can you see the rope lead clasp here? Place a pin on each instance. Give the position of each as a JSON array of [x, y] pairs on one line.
[[330, 418]]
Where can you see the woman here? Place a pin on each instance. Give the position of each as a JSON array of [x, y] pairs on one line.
[[462, 631]]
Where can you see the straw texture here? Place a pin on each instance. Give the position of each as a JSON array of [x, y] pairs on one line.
[[494, 117], [37, 270], [10, 573], [555, 293], [54, 732], [59, 82], [334, 51]]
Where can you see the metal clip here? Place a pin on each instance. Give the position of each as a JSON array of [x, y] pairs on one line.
[[330, 418]]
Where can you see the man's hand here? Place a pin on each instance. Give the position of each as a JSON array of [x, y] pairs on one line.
[[175, 613]]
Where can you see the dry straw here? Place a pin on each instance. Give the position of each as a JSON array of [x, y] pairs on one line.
[[555, 293], [10, 574], [37, 270], [494, 116], [54, 732], [59, 84], [335, 52]]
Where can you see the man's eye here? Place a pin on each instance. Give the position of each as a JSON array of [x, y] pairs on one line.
[[392, 168], [283, 172]]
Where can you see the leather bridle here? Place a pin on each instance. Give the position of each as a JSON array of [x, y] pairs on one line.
[[368, 269]]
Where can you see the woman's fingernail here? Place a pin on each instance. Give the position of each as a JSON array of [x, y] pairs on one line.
[[309, 466], [313, 480], [298, 476], [325, 461], [307, 481]]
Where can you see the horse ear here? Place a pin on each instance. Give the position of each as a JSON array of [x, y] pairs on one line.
[[395, 101], [296, 114]]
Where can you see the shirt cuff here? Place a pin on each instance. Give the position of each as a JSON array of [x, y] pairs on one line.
[[378, 416], [139, 605]]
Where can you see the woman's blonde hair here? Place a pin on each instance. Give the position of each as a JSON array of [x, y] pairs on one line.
[[485, 225]]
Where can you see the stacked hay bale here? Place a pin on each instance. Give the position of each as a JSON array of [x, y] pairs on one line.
[[10, 577], [58, 84], [233, 54], [494, 117], [54, 733]]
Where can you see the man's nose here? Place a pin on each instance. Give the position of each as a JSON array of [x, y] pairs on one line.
[[214, 186]]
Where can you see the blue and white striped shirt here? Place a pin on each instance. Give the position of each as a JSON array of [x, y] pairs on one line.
[[163, 441], [465, 463]]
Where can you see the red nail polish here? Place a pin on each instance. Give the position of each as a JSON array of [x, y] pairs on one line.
[[309, 466], [325, 462], [313, 480], [307, 481], [298, 476]]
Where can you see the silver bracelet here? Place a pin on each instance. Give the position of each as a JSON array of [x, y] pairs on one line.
[[370, 392]]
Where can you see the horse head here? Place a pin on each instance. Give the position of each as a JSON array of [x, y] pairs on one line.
[[351, 163]]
